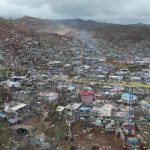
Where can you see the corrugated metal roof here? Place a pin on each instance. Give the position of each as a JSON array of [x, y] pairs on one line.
[[87, 93], [18, 107]]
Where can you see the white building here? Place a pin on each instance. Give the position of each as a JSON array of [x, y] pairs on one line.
[[104, 111], [14, 107], [71, 108], [51, 97], [13, 84]]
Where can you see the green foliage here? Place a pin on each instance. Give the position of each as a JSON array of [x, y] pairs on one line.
[[4, 94], [5, 72], [135, 69], [4, 136], [58, 131]]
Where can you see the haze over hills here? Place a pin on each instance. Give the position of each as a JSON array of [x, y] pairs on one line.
[[133, 38], [108, 31], [114, 33], [73, 22]]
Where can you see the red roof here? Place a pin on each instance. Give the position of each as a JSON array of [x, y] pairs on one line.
[[87, 93]]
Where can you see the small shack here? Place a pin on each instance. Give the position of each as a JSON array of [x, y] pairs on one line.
[[60, 109], [71, 108], [14, 107]]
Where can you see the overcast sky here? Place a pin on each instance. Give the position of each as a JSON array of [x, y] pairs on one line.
[[116, 11]]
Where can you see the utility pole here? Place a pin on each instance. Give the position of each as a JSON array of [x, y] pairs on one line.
[[130, 112], [68, 122]]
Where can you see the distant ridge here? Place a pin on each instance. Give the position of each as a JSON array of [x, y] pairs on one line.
[[107, 31]]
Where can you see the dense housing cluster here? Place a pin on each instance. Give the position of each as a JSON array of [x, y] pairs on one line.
[[59, 89]]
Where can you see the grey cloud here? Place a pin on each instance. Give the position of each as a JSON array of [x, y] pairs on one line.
[[117, 11], [30, 3]]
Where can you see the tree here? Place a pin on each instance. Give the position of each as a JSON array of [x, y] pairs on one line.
[[4, 94]]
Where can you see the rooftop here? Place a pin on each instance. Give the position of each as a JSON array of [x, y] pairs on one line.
[[128, 97], [105, 110], [18, 106], [73, 106], [60, 108], [85, 93], [47, 93], [54, 62]]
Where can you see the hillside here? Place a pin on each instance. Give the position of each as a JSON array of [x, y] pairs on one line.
[[108, 31]]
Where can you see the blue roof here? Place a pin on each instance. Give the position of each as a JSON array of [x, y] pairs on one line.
[[132, 141], [13, 120], [2, 115], [128, 96], [146, 105], [1, 57], [84, 108]]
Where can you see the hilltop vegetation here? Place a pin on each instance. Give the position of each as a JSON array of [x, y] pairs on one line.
[[108, 31]]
